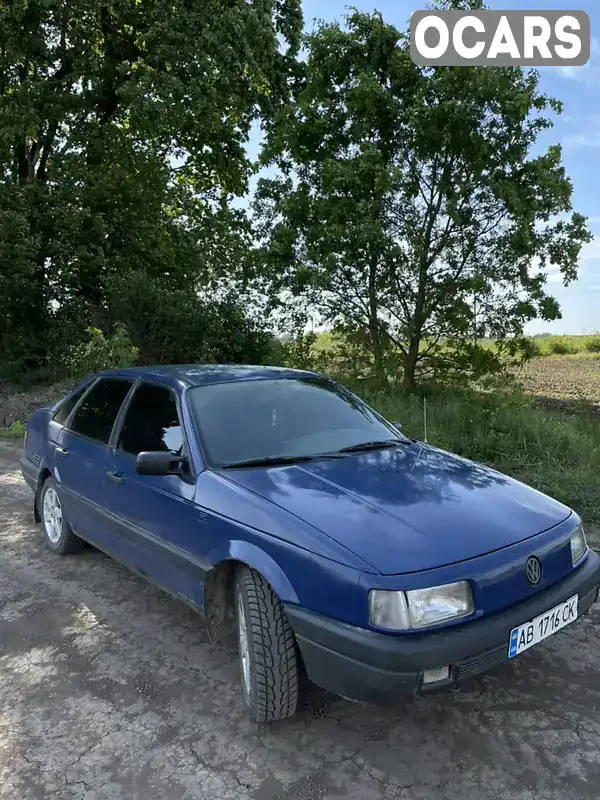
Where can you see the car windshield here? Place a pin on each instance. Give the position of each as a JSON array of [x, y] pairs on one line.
[[288, 418]]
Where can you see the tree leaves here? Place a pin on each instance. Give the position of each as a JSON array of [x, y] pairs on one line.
[[412, 207], [123, 128]]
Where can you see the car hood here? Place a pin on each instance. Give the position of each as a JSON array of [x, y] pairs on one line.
[[409, 508]]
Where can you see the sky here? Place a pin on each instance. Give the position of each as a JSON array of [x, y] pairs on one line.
[[578, 130]]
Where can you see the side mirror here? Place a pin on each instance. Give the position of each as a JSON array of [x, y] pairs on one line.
[[159, 463]]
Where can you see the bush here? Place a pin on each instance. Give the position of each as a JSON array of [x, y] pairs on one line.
[[593, 344], [100, 353], [563, 346], [14, 431]]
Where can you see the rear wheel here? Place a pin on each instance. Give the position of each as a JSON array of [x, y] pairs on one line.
[[57, 531], [267, 649]]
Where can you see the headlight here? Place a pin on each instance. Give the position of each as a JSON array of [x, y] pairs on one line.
[[579, 545], [419, 608]]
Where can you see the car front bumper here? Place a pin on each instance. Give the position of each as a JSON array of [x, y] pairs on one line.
[[373, 667]]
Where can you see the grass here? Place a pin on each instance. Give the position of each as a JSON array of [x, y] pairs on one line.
[[14, 431], [556, 453]]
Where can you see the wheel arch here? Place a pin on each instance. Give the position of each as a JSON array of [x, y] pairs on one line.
[[219, 585]]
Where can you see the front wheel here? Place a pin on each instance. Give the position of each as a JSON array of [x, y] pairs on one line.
[[267, 649], [57, 531]]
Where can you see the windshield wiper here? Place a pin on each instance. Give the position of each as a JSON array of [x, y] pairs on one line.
[[267, 461], [378, 445], [275, 461]]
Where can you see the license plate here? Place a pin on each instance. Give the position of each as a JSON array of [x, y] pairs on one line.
[[540, 628]]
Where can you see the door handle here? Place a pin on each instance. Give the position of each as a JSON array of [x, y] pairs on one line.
[[115, 477], [62, 452]]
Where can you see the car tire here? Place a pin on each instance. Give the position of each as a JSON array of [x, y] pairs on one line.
[[267, 649], [57, 532]]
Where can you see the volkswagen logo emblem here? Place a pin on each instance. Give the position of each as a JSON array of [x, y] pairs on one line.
[[533, 570]]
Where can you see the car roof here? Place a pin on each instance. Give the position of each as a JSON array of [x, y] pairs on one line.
[[203, 374]]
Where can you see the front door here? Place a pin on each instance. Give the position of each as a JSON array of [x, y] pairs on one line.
[[162, 533]]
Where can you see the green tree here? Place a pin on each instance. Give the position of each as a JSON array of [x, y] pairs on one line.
[[123, 127], [170, 325], [414, 204]]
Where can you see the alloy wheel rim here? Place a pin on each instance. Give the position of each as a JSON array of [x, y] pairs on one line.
[[52, 512]]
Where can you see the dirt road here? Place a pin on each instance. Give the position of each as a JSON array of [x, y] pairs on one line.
[[110, 689]]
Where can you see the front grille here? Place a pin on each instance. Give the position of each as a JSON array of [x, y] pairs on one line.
[[482, 662]]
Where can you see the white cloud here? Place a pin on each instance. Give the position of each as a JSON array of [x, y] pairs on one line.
[[588, 74], [579, 140], [591, 251]]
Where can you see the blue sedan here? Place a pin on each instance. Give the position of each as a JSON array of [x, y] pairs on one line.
[[276, 501]]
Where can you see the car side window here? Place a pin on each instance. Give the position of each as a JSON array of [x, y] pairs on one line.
[[152, 422], [62, 415], [97, 413]]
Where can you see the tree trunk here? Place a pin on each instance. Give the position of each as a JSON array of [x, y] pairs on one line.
[[410, 364], [419, 319], [375, 329], [377, 350]]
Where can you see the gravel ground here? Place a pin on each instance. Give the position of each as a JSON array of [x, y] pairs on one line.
[[111, 689]]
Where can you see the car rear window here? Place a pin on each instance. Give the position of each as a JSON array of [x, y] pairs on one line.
[[96, 415]]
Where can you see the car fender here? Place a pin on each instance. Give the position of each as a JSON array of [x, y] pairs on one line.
[[218, 599], [262, 562]]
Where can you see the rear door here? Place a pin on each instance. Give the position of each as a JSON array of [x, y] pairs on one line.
[[80, 457], [161, 532]]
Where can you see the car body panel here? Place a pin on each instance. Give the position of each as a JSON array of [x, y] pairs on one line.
[[156, 527], [37, 436], [224, 497], [410, 508], [296, 574], [80, 478]]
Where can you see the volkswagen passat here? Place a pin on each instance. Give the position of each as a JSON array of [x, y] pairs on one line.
[[277, 500]]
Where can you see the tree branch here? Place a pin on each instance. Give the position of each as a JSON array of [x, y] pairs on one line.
[[46, 150]]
